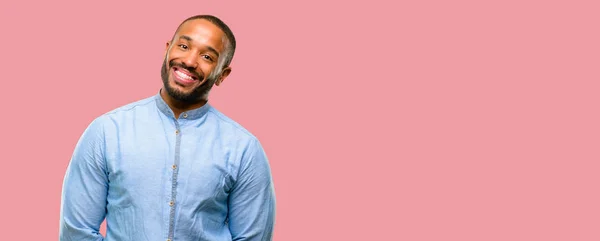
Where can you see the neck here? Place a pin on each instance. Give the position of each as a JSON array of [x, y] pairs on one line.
[[177, 106]]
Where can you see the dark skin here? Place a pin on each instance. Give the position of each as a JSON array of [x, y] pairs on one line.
[[190, 69]]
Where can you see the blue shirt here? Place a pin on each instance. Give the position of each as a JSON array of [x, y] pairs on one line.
[[155, 177]]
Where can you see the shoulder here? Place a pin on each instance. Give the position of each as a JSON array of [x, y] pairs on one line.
[[235, 134], [124, 111], [229, 126], [253, 163], [127, 110], [145, 103]]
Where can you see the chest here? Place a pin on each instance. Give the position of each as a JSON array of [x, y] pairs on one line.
[[157, 161]]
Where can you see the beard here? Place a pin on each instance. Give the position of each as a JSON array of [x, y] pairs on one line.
[[198, 94]]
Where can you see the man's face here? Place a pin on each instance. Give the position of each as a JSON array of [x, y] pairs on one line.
[[190, 67]]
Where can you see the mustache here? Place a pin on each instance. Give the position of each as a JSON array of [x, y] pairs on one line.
[[172, 64]]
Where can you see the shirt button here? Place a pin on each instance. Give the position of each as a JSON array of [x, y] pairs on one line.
[[171, 203], [168, 239], [184, 115], [174, 166], [176, 132]]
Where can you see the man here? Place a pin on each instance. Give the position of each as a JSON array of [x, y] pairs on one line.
[[172, 167]]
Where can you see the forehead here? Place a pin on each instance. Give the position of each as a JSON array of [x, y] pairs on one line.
[[202, 33]]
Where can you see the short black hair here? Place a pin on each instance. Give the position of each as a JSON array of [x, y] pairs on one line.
[[230, 47]]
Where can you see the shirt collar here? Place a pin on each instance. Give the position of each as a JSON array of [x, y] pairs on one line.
[[190, 114]]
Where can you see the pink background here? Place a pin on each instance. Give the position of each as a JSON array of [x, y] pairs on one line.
[[430, 120]]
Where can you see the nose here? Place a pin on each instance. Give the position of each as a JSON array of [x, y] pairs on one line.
[[191, 60]]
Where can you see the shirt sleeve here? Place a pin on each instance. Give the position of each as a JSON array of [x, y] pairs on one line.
[[252, 199], [85, 185]]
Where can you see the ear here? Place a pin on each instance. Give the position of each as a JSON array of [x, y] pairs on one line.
[[224, 75], [167, 46]]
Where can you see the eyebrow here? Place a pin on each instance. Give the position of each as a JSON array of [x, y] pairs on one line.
[[188, 38]]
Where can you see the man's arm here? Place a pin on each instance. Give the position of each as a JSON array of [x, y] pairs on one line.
[[83, 202], [252, 199]]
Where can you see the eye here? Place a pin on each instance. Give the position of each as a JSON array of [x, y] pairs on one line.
[[207, 57], [183, 46]]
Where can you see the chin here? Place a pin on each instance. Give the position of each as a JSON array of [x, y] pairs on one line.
[[188, 95]]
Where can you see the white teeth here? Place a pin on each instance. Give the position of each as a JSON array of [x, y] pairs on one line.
[[183, 76]]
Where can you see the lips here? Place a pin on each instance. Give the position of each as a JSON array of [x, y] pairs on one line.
[[184, 77]]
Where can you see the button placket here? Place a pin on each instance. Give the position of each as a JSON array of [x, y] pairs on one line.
[[173, 180]]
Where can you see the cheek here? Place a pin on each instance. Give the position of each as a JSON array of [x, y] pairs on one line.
[[172, 56], [203, 71], [209, 70]]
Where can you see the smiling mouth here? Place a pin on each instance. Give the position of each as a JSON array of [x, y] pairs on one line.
[[184, 75]]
